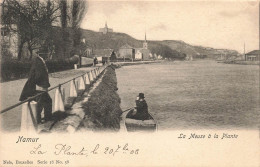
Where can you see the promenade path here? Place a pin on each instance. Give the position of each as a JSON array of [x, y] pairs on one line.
[[10, 93]]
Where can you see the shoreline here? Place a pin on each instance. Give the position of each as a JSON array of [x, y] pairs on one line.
[[120, 64], [239, 62]]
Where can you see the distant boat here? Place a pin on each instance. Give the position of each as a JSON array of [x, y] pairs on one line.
[[132, 125]]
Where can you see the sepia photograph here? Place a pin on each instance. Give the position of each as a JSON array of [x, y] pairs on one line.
[[129, 83]]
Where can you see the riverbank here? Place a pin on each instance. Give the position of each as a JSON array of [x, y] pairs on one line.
[[241, 62], [120, 64]]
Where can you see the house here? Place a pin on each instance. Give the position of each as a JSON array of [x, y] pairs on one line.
[[126, 52], [88, 52], [160, 57], [138, 55], [253, 55], [102, 54], [145, 53], [105, 30]]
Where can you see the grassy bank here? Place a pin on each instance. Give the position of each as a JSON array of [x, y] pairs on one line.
[[103, 107]]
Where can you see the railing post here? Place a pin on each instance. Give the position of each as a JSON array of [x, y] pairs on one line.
[[28, 118], [81, 83], [98, 71], [63, 95], [87, 81], [90, 77], [58, 103], [73, 91], [93, 74]]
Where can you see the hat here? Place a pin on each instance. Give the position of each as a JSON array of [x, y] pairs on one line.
[[141, 95]]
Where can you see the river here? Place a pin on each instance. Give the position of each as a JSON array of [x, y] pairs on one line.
[[194, 94]]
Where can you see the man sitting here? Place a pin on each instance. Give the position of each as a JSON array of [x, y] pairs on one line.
[[141, 108]]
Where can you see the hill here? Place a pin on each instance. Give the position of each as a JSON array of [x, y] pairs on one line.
[[188, 49], [115, 40]]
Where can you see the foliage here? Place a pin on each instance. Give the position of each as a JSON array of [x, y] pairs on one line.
[[166, 52], [103, 106], [14, 69], [33, 20]]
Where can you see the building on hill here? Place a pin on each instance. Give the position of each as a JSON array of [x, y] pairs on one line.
[[105, 30], [253, 55], [126, 52]]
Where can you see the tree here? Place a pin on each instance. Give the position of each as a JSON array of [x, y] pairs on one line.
[[33, 20], [79, 9], [166, 52]]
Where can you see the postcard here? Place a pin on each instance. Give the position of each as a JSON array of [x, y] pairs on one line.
[[130, 83]]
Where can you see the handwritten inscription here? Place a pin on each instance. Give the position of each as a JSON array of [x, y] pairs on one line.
[[64, 149], [37, 150], [68, 150], [207, 136]]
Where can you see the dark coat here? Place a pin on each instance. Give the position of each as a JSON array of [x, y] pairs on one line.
[[142, 110], [38, 76]]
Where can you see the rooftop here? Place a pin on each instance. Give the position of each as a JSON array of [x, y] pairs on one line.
[[126, 46], [254, 52]]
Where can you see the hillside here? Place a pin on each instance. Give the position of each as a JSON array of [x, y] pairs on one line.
[[110, 40], [115, 40], [188, 49]]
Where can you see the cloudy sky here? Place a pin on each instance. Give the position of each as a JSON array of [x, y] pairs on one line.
[[213, 24]]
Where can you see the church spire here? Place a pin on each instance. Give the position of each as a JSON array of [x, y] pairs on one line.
[[106, 24], [145, 44]]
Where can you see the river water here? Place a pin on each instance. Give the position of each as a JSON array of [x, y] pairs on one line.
[[194, 94]]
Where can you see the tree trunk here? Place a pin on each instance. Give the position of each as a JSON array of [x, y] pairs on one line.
[[30, 50], [20, 49]]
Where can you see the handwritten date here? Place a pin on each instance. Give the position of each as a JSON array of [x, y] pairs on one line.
[[68, 150]]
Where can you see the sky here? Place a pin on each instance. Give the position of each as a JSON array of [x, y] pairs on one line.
[[219, 24]]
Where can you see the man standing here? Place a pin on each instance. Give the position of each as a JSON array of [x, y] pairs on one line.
[[38, 83], [95, 61]]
